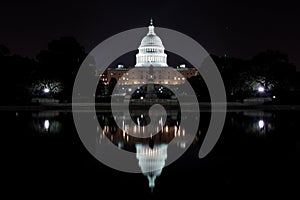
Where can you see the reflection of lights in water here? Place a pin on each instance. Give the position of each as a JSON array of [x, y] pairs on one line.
[[261, 123], [44, 127], [120, 145], [46, 124], [182, 145], [134, 129]]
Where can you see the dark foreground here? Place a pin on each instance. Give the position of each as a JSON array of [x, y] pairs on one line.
[[258, 153]]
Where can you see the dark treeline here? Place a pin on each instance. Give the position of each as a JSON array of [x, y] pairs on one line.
[[56, 68], [269, 69]]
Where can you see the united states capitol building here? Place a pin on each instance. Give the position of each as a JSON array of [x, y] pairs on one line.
[[151, 54]]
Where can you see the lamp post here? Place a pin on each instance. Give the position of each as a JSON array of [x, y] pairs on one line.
[[46, 90], [261, 89]]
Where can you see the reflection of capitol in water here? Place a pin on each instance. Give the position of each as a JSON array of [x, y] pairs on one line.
[[151, 153], [122, 138], [151, 161]]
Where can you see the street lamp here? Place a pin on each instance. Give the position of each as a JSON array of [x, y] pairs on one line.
[[46, 90], [261, 89]]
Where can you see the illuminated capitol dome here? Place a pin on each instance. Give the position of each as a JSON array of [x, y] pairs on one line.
[[151, 54], [151, 50]]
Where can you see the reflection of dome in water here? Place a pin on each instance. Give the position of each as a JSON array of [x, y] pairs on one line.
[[151, 50], [151, 161]]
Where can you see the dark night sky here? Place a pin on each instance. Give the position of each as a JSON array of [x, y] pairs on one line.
[[236, 28]]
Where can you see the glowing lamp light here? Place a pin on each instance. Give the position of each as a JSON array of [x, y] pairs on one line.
[[46, 124], [261, 89], [46, 90], [261, 123], [274, 97]]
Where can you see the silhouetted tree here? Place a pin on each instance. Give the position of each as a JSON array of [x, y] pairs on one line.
[[47, 88], [61, 62], [269, 69], [4, 51], [274, 70], [16, 71]]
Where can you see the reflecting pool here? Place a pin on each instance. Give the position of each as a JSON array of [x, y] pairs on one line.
[[258, 152]]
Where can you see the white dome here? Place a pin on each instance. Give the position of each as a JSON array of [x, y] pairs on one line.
[[151, 161], [151, 40], [151, 51]]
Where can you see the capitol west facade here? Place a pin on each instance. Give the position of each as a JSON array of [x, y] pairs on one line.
[[150, 55]]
